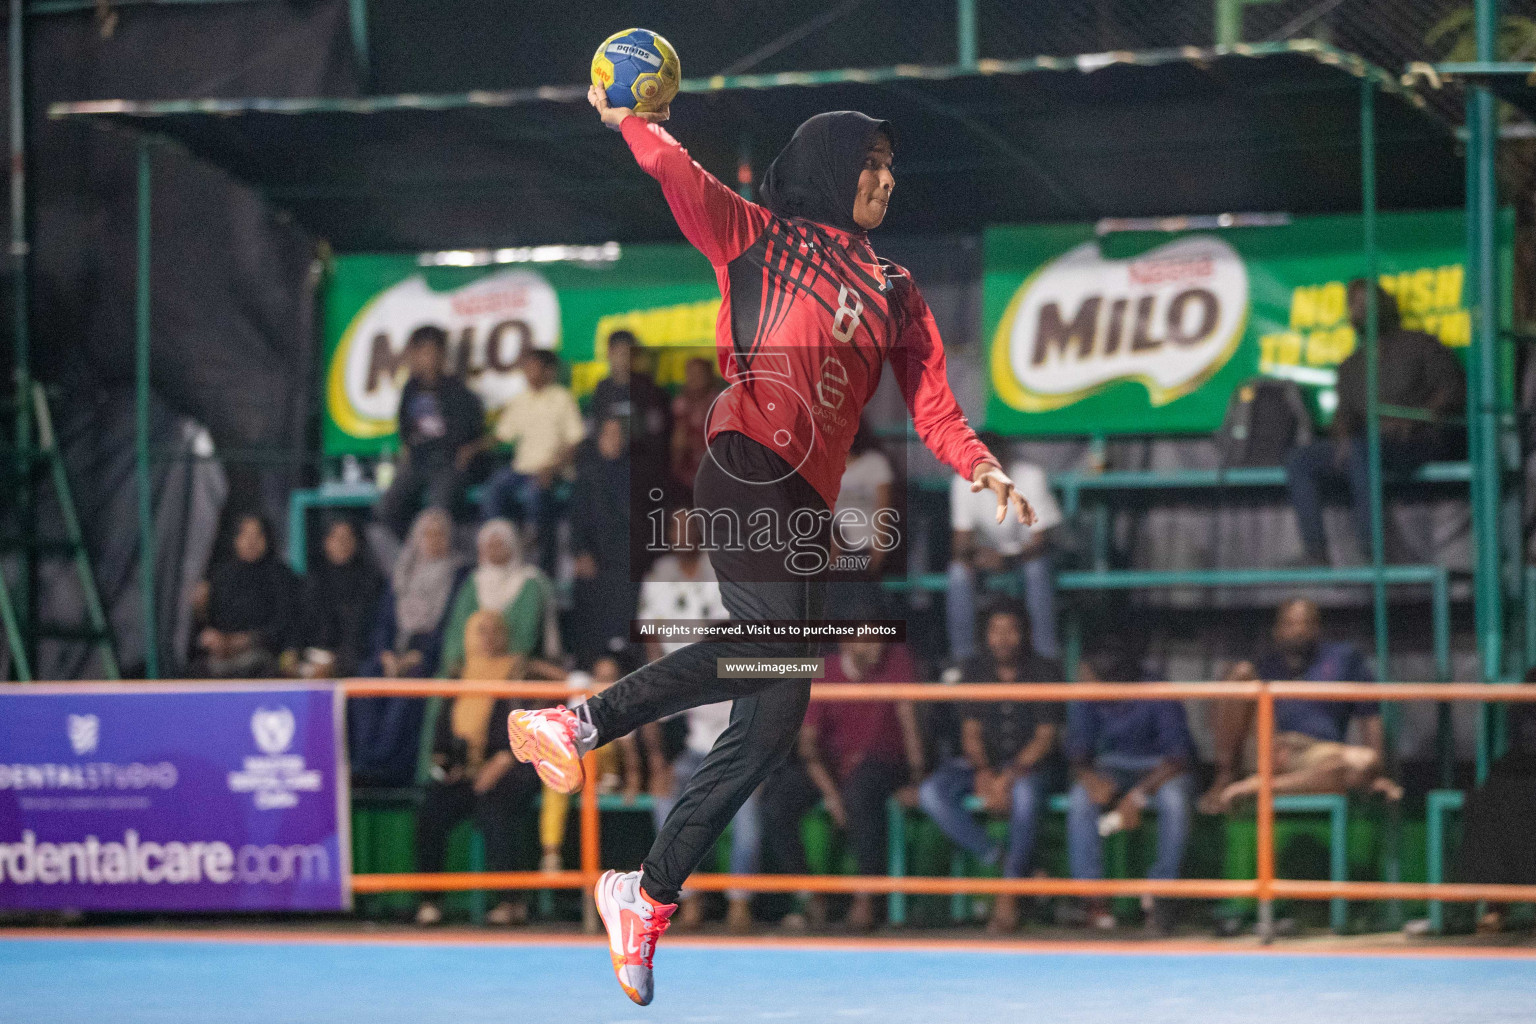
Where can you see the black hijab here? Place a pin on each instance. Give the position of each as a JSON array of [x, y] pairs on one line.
[[339, 600], [816, 176], [254, 596]]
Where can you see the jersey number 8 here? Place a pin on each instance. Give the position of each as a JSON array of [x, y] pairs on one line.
[[846, 319]]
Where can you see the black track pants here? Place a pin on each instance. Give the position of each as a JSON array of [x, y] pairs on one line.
[[739, 477]]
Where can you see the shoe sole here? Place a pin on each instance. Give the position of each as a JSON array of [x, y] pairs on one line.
[[599, 897], [555, 767]]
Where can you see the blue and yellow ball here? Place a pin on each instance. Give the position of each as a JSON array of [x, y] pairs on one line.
[[637, 68]]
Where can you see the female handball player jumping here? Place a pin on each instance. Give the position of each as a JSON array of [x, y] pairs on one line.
[[809, 318]]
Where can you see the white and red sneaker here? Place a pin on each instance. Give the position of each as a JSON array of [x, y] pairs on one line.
[[551, 739], [635, 923]]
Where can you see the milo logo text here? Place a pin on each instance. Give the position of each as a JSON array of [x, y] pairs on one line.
[[490, 322], [1167, 319]]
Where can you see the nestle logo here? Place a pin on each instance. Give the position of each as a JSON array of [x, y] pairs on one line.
[[1154, 272]]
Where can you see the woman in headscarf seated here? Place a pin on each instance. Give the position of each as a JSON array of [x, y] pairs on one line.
[[384, 733], [341, 595], [247, 604], [503, 583], [473, 774]]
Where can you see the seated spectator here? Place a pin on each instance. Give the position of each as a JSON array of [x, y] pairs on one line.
[[1003, 746], [503, 583], [1311, 751], [442, 429], [690, 418], [618, 768], [1126, 755], [854, 755], [474, 774], [341, 595], [981, 547], [1421, 384], [545, 425], [681, 585], [604, 592], [1496, 847], [383, 733], [248, 602], [644, 408], [866, 492]]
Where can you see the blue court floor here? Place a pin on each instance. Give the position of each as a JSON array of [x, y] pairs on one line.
[[269, 981]]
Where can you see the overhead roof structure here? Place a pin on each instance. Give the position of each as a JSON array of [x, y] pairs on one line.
[[1263, 127]]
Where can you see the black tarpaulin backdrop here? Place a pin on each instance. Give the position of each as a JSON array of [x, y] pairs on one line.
[[232, 341]]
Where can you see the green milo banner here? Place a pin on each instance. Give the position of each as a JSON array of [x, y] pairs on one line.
[[665, 294], [1150, 332]]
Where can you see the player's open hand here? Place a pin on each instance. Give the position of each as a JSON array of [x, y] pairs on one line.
[[988, 475], [613, 116]]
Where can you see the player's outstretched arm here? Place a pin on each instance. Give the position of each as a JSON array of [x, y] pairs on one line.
[[918, 361], [717, 221]]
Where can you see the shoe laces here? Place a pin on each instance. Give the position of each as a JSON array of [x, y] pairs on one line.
[[652, 931]]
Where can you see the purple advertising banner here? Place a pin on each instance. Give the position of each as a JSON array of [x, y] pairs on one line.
[[189, 797]]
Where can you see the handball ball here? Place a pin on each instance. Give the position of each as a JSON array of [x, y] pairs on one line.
[[637, 68]]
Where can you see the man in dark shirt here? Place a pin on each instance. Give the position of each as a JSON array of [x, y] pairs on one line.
[[854, 755], [1311, 751], [645, 408], [1001, 745], [1420, 385], [605, 591], [1126, 755], [442, 429]]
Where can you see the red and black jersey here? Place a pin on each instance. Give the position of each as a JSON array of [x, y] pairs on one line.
[[810, 316]]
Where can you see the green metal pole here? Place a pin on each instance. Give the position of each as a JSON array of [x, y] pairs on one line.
[[1392, 714], [1373, 364], [965, 33], [21, 341], [1229, 22], [1482, 381], [357, 18], [141, 425]]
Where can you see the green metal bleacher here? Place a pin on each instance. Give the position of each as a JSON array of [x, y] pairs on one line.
[[1334, 805]]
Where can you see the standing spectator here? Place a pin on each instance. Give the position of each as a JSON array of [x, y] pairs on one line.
[[644, 407], [605, 592], [341, 596], [1003, 747], [981, 546], [690, 420], [1496, 847], [1420, 385], [854, 755], [681, 585], [384, 733], [866, 495], [503, 583], [474, 773], [1125, 755], [248, 601], [545, 425], [1311, 751], [442, 429]]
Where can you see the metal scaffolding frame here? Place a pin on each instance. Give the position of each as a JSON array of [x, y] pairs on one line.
[[1486, 423]]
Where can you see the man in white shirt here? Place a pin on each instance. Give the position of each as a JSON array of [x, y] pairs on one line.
[[981, 546], [544, 423], [681, 585]]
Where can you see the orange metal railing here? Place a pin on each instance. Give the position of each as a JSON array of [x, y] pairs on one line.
[[1265, 887]]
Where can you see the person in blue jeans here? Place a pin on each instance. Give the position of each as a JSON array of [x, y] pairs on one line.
[[981, 547], [1002, 746], [1126, 756], [1422, 390]]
